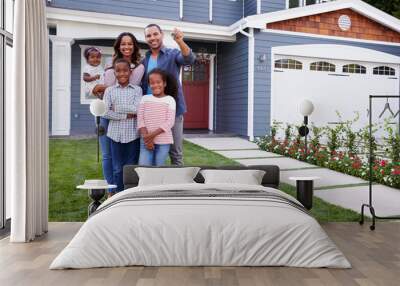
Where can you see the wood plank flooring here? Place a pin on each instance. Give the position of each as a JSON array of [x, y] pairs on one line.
[[375, 257]]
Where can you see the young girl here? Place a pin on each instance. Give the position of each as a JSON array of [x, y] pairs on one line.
[[156, 117], [93, 72]]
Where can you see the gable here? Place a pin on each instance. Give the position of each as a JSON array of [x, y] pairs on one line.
[[327, 24]]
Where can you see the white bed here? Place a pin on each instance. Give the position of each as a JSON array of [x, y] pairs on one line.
[[185, 230]]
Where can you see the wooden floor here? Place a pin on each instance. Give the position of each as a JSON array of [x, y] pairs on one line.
[[375, 257]]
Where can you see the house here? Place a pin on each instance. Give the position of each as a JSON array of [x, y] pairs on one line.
[[256, 58]]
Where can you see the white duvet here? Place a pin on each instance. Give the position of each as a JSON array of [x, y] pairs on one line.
[[200, 231]]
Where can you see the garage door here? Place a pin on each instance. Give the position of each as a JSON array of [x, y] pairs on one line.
[[334, 86]]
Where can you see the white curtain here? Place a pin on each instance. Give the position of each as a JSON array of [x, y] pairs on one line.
[[28, 128]]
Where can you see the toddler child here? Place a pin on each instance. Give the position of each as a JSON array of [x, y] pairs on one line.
[[93, 72]]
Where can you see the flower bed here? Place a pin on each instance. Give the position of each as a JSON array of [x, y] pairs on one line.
[[339, 154]]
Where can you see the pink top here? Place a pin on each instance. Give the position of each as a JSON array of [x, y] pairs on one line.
[[157, 112], [135, 78]]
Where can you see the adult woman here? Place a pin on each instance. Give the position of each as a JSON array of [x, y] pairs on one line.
[[126, 47]]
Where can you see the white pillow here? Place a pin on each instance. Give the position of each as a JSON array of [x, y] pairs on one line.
[[166, 176], [248, 177]]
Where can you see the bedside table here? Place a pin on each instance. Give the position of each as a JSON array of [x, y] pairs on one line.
[[96, 191], [304, 192]]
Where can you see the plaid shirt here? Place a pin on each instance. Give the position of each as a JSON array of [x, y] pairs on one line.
[[119, 102]]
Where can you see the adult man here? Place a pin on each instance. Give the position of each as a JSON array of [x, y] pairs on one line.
[[171, 61]]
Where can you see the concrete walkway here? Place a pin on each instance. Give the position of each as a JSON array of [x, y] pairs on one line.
[[334, 187]]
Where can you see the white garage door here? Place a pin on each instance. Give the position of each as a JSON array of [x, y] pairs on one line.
[[334, 86]]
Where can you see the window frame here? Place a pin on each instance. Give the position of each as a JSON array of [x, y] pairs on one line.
[[363, 69], [295, 62], [106, 50], [109, 51], [391, 71], [329, 65], [6, 39], [303, 3]]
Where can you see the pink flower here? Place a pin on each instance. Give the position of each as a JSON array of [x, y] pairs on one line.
[[383, 163]]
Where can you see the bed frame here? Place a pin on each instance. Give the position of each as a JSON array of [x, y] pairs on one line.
[[270, 179]]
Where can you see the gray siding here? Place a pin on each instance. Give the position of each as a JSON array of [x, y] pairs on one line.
[[196, 11], [272, 5], [165, 9], [250, 7], [262, 82], [227, 12], [232, 80]]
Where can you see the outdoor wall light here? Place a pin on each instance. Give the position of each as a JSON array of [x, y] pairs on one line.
[[262, 58], [97, 109], [306, 108]]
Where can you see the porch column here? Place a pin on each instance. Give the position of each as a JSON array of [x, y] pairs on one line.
[[61, 87]]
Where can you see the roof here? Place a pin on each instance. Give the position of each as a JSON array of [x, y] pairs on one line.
[[260, 21], [57, 16]]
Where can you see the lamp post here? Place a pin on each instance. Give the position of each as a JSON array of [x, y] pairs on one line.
[[306, 108], [97, 109]]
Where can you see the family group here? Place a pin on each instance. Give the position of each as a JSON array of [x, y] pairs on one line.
[[144, 100]]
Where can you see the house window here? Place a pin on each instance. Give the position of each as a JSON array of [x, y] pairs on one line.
[[354, 68], [294, 3], [323, 66], [288, 64], [106, 58], [6, 67], [196, 72], [300, 3], [384, 70]]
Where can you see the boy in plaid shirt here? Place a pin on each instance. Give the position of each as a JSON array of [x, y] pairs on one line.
[[122, 101]]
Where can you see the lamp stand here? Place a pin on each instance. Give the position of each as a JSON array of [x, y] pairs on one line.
[[98, 136], [305, 137]]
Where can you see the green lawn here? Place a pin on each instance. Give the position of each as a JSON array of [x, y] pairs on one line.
[[73, 161]]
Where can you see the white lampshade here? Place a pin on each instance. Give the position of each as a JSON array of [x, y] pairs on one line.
[[306, 107], [97, 107]]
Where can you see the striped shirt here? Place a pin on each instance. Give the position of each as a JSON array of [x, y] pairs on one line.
[[119, 102], [157, 112]]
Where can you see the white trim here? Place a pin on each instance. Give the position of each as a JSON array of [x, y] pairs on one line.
[[260, 21], [259, 7], [337, 52], [211, 94], [250, 88], [329, 37], [61, 88], [110, 25], [181, 9], [210, 11]]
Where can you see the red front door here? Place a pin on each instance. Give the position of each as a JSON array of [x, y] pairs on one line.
[[195, 82]]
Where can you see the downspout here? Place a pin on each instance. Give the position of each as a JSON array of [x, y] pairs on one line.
[[250, 82]]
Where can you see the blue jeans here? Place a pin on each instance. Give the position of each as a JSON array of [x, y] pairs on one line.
[[105, 144], [154, 157], [123, 154]]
